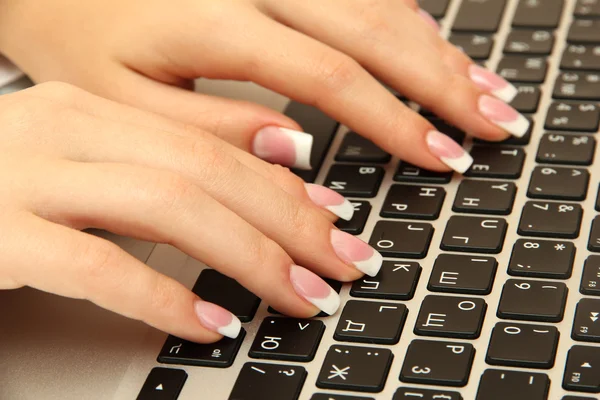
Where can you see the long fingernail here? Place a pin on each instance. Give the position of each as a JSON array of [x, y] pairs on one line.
[[314, 289], [283, 146], [354, 251], [448, 151], [429, 19], [503, 115], [330, 200], [218, 319], [493, 83]]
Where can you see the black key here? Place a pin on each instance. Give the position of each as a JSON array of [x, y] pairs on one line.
[[586, 325], [474, 234], [437, 8], [362, 369], [581, 57], [496, 162], [520, 345], [594, 240], [582, 372], [396, 280], [499, 384], [354, 180], [538, 14], [335, 285], [358, 149], [577, 398], [259, 381], [584, 31], [542, 259], [413, 202], [573, 85], [478, 47], [523, 69], [214, 287], [356, 225], [590, 280], [529, 42], [287, 339], [323, 129], [409, 173], [587, 9], [455, 273], [533, 300], [485, 197], [550, 220], [598, 200], [558, 183], [218, 355], [401, 239], [333, 396], [479, 16], [404, 393], [566, 149], [454, 317], [527, 99], [371, 322], [163, 384], [437, 363]]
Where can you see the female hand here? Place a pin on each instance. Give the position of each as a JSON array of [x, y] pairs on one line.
[[327, 53], [70, 160]]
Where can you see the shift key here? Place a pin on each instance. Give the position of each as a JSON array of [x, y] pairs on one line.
[[479, 16]]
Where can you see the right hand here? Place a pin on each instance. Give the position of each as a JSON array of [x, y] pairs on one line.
[[70, 160]]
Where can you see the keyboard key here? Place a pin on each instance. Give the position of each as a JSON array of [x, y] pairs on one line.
[[409, 173], [404, 393], [218, 355], [577, 398], [527, 99], [362, 369], [582, 57], [586, 325], [354, 180], [523, 69], [453, 317], [597, 207], [401, 239], [437, 363], [214, 287], [587, 9], [479, 16], [590, 280], [474, 234], [356, 225], [566, 149], [259, 381], [163, 384], [542, 259], [575, 85], [335, 285], [559, 220], [525, 346], [485, 197], [582, 372], [584, 31], [558, 183], [497, 384], [333, 396], [455, 273], [437, 8], [529, 42], [371, 322], [287, 339], [413, 202], [594, 240], [533, 300], [396, 280], [478, 47], [356, 148], [538, 14], [496, 162]]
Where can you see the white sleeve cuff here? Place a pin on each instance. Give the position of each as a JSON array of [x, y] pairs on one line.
[[8, 71]]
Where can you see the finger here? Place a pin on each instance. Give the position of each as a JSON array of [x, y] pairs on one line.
[[163, 207]]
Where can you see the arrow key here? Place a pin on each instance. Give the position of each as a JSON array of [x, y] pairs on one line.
[[163, 384], [586, 326]]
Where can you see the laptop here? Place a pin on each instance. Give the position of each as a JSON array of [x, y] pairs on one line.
[[490, 287]]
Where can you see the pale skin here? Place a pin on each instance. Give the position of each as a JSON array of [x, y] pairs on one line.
[[177, 167]]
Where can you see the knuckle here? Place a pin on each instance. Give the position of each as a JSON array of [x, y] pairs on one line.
[[172, 193], [163, 295], [264, 255], [98, 259], [286, 179], [412, 4], [337, 72]]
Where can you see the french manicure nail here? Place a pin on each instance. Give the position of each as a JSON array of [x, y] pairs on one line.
[[354, 251], [429, 19], [218, 319], [283, 146], [448, 151], [314, 289], [330, 200], [493, 83], [503, 115]]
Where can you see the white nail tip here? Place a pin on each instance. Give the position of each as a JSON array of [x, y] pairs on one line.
[[231, 330], [372, 265], [329, 304], [460, 164], [345, 210], [507, 93], [517, 127], [302, 145]]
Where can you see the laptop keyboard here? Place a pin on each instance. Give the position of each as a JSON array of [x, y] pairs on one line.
[[489, 289]]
